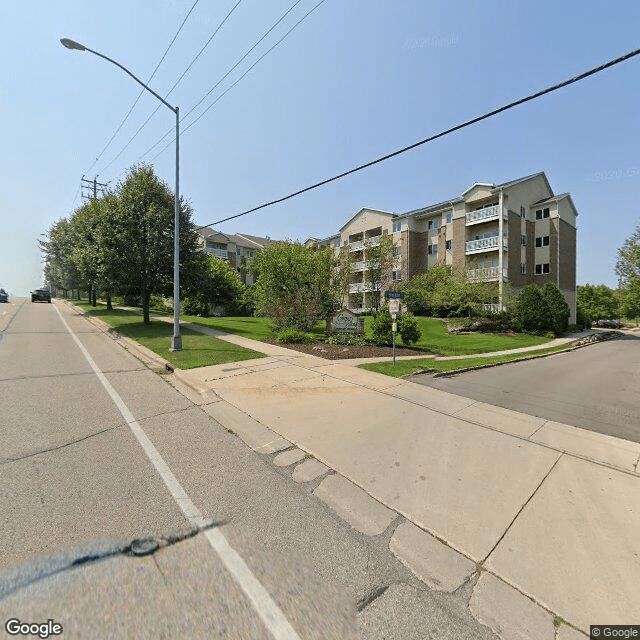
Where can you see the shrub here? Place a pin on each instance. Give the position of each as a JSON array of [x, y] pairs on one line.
[[408, 328], [295, 336], [194, 306], [531, 312], [582, 319], [573, 328], [350, 339], [158, 303], [381, 326], [558, 308]]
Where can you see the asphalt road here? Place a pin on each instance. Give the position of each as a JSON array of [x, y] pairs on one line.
[[77, 487], [595, 388]]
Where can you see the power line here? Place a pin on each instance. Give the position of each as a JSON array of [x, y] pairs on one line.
[[164, 55], [532, 96], [144, 124], [242, 76], [255, 44]]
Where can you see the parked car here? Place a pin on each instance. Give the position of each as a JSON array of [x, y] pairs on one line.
[[4, 296], [44, 295]]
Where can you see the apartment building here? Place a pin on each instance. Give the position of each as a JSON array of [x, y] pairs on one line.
[[238, 249], [517, 232]]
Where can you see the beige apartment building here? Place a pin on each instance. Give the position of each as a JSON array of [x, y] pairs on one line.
[[238, 249], [517, 232]]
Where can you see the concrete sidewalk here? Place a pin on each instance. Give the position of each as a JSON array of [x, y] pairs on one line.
[[545, 516]]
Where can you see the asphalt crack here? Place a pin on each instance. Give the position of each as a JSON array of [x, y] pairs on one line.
[[15, 580]]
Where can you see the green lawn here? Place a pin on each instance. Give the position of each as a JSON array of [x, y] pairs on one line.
[[408, 367], [437, 339], [198, 350]]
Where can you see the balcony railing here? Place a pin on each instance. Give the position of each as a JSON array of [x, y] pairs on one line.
[[488, 213], [361, 287], [485, 244], [363, 265], [493, 307], [221, 253], [356, 246], [488, 273]]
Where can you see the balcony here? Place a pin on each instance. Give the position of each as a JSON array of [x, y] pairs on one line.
[[356, 246], [363, 265], [488, 273], [221, 253], [484, 215], [485, 244], [362, 287]]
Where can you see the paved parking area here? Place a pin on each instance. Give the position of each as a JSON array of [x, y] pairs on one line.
[[595, 388]]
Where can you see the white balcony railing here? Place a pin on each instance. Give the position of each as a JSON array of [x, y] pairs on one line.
[[487, 273], [221, 253], [361, 287], [356, 246], [373, 240], [485, 244], [363, 265], [488, 213], [493, 307]]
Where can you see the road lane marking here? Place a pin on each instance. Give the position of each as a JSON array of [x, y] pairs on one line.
[[269, 612]]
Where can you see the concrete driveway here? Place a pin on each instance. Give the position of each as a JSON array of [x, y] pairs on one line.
[[595, 388]]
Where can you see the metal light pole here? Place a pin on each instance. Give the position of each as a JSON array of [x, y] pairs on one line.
[[176, 340]]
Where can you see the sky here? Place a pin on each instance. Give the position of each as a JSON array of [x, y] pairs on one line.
[[353, 81]]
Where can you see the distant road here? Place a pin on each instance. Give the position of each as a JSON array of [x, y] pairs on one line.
[[595, 388]]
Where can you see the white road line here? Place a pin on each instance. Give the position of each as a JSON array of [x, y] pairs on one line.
[[269, 612]]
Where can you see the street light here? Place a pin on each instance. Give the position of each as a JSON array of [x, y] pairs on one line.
[[176, 340]]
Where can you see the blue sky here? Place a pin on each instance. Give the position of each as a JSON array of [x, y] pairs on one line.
[[355, 80]]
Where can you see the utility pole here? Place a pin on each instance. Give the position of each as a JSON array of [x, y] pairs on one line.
[[92, 186]]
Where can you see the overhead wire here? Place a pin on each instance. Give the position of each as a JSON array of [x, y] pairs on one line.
[[255, 44], [135, 135], [126, 117], [441, 134], [241, 77]]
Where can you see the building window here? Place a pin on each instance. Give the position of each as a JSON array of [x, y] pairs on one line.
[[523, 240], [542, 213], [542, 241], [430, 249], [449, 218], [542, 268], [397, 251], [429, 224], [448, 245], [523, 212], [523, 268], [397, 275], [397, 226], [435, 249], [436, 223]]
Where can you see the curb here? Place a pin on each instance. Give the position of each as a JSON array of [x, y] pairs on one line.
[[445, 374], [150, 359]]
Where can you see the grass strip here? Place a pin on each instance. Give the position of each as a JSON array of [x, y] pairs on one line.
[[198, 350], [409, 367]]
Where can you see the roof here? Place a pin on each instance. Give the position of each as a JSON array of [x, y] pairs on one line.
[[557, 198], [511, 183], [431, 207], [353, 217], [551, 199], [478, 184], [207, 232], [247, 240]]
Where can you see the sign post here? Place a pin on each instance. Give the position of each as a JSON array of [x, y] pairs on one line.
[[394, 309]]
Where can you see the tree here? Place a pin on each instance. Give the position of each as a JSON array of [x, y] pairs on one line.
[[628, 271], [60, 270], [531, 312], [342, 274], [558, 308], [597, 302], [142, 225], [214, 281], [380, 260], [294, 286]]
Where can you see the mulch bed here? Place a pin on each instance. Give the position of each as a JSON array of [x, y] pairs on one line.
[[342, 352]]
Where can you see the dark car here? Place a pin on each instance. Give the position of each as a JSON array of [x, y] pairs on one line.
[[43, 295], [4, 296]]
